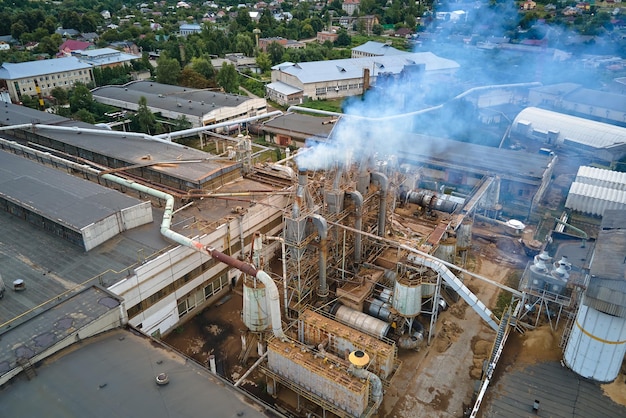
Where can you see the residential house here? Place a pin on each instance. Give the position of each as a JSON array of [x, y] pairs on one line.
[[350, 6], [71, 45]]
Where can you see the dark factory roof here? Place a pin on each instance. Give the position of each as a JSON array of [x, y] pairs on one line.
[[33, 337], [58, 196], [135, 150], [114, 375], [508, 164], [300, 125], [132, 150], [560, 392], [193, 102]]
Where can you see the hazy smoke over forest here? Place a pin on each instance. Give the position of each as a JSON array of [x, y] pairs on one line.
[[372, 132]]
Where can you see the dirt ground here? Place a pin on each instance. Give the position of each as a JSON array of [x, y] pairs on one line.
[[436, 381]]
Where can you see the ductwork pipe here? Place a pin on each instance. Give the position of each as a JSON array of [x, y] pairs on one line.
[[376, 385], [432, 200], [77, 130], [322, 229], [383, 182], [272, 294], [191, 131], [357, 198]]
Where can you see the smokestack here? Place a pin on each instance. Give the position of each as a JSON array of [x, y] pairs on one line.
[[383, 182], [357, 198], [322, 229]]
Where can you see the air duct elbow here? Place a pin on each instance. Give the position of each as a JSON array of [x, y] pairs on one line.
[[273, 302], [376, 385]]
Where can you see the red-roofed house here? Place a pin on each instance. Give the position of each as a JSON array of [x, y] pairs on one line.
[[72, 45]]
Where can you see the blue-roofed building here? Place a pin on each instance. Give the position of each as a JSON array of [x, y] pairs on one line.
[[25, 77], [375, 49], [189, 28], [352, 76], [105, 57]]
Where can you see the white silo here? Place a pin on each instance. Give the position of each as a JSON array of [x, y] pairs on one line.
[[596, 345], [407, 295], [255, 314], [597, 342]]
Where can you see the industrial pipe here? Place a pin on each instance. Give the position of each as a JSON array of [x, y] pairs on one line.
[[376, 385], [431, 200], [190, 131], [357, 198], [272, 294], [322, 229], [383, 182]]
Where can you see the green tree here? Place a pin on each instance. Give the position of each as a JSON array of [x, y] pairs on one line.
[[60, 95], [263, 61], [144, 120], [343, 39], [168, 70], [276, 52], [84, 115], [228, 78], [244, 44], [191, 78], [81, 98], [202, 65]]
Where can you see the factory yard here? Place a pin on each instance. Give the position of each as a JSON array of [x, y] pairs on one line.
[[437, 381]]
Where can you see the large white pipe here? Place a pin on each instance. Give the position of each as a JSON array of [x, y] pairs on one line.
[[190, 131]]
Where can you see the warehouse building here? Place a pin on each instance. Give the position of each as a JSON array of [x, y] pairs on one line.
[[318, 80], [596, 140], [199, 107]]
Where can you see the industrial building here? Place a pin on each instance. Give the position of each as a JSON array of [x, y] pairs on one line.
[[34, 77], [198, 107], [349, 77], [597, 140], [334, 276]]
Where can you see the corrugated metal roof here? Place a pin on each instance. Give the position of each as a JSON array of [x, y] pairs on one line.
[[55, 195], [582, 131], [557, 89], [560, 392], [305, 125], [185, 100], [16, 71], [131, 150], [352, 68], [607, 287], [602, 99], [594, 200], [283, 88], [600, 177]]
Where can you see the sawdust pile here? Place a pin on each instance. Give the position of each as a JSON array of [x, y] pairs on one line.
[[481, 350], [616, 390], [540, 344], [449, 333], [458, 310]]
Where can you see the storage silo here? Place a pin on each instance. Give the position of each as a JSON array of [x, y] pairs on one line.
[[446, 250], [464, 235], [255, 314], [597, 342], [407, 295]]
